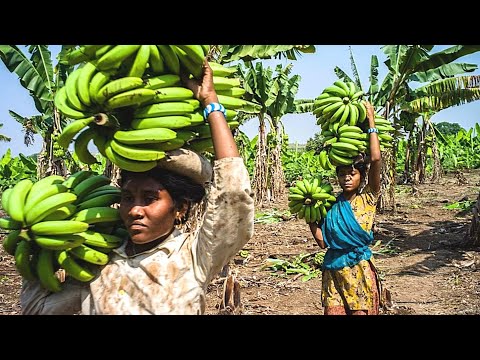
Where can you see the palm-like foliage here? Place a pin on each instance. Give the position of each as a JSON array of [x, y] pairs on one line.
[[37, 75], [275, 91]]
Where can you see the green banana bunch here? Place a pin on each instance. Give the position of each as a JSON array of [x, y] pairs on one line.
[[52, 225], [310, 200]]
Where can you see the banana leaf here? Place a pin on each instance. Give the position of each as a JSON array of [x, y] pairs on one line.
[[442, 72], [35, 74], [251, 52], [446, 56], [440, 101], [303, 106], [448, 85]]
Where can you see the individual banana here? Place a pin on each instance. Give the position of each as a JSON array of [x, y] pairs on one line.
[[5, 199], [140, 63], [144, 136], [162, 81], [71, 89], [115, 55], [8, 223], [171, 94], [39, 185], [157, 65], [170, 57], [45, 271], [59, 242], [118, 86], [223, 83], [42, 193], [194, 52], [339, 160], [83, 82], [72, 129], [17, 199], [89, 255], [76, 178], [344, 146], [100, 200], [97, 215], [101, 240], [61, 213], [102, 190], [127, 164], [187, 63], [135, 152], [48, 206], [222, 70], [75, 56], [164, 109], [81, 146], [88, 185], [23, 263], [72, 267], [130, 98], [11, 240], [336, 91], [341, 84], [59, 227], [61, 103], [98, 81], [233, 103], [236, 92], [170, 122]]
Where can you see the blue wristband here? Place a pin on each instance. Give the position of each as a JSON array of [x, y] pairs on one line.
[[372, 130], [213, 107]]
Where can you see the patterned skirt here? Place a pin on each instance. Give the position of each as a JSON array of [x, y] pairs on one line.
[[351, 288]]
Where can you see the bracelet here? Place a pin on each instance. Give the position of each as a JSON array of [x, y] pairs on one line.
[[213, 107], [372, 130]]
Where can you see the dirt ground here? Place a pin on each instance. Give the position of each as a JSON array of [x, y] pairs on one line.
[[420, 253]]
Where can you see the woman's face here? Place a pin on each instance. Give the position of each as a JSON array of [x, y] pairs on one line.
[[147, 209], [349, 179]]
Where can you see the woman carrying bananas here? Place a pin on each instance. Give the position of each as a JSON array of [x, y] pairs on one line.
[[350, 284], [161, 270]]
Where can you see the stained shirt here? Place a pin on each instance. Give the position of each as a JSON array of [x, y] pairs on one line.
[[172, 277]]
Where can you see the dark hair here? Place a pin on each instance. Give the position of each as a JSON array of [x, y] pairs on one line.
[[359, 163], [180, 187]]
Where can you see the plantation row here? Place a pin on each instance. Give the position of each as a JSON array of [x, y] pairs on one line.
[[457, 151]]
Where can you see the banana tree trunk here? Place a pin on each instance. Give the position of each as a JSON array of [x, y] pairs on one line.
[[388, 178], [421, 156], [277, 176], [473, 237], [406, 166], [387, 185], [47, 162], [437, 165], [260, 175]]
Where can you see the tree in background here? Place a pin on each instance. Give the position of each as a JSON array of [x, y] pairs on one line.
[[447, 128]]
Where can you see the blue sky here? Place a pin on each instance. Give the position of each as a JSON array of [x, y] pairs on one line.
[[316, 71]]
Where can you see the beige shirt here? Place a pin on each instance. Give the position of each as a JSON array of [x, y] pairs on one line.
[[171, 278]]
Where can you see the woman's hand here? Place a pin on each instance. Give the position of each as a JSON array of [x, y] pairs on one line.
[[203, 89]]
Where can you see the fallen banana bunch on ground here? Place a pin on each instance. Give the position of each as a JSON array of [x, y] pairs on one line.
[[310, 200], [61, 223], [120, 93]]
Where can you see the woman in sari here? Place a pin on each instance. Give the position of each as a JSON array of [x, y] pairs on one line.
[[350, 283]]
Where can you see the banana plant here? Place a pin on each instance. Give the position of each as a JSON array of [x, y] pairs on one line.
[[275, 91], [37, 74]]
